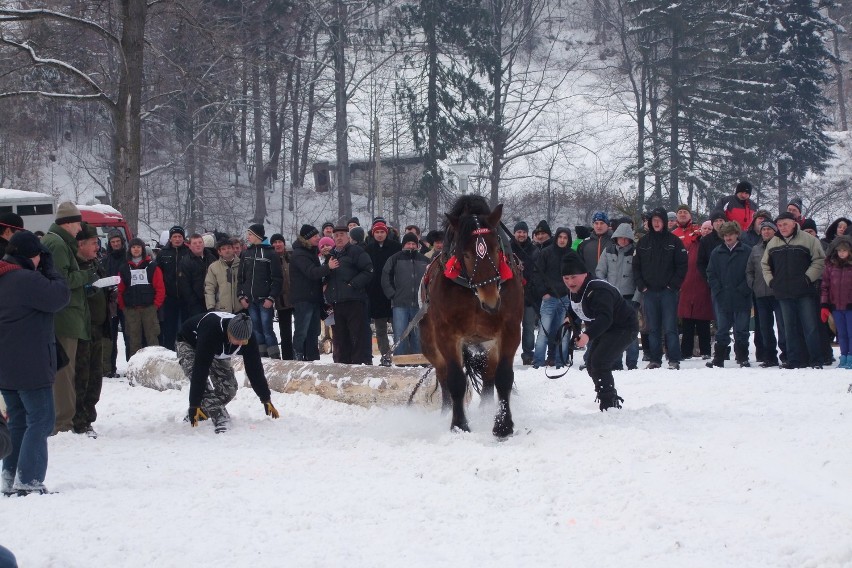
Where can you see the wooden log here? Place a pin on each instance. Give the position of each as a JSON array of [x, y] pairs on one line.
[[364, 385]]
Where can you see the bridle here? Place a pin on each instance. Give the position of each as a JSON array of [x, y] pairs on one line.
[[481, 250]]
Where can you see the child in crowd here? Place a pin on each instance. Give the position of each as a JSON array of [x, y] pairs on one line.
[[836, 297]]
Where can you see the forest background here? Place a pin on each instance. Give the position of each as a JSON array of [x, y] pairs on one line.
[[216, 113]]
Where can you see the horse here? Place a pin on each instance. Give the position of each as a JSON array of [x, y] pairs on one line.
[[472, 329]]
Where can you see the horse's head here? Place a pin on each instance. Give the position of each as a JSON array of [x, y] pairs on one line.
[[477, 248]]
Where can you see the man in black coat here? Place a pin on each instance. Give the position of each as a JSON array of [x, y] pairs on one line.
[[659, 269], [610, 323], [306, 276], [10, 223], [205, 345], [527, 254], [174, 311], [260, 280], [346, 292], [193, 270], [380, 249]]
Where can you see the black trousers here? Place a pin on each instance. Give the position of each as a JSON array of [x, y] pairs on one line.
[[604, 352], [690, 327], [285, 328], [350, 336]]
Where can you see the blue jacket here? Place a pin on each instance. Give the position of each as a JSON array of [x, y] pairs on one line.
[[726, 275], [27, 339]]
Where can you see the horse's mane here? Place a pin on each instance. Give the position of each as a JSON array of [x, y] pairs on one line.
[[464, 209]]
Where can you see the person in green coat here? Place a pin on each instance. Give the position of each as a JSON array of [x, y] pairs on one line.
[[72, 322]]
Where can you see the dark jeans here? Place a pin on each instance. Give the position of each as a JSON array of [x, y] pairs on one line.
[[172, 318], [739, 320], [661, 319], [843, 323], [800, 329], [306, 330], [285, 327], [769, 311], [31, 418], [349, 336], [261, 322], [690, 327]]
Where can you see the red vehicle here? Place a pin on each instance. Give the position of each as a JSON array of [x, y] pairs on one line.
[[105, 218]]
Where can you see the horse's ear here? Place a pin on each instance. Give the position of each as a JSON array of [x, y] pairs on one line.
[[453, 220], [495, 215]]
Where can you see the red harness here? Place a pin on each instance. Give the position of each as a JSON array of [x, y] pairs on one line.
[[453, 268]]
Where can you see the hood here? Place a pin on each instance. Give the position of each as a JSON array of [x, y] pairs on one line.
[[662, 214], [623, 231], [831, 231], [833, 246]]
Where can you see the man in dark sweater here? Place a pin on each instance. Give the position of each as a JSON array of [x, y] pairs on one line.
[[610, 325], [205, 345]]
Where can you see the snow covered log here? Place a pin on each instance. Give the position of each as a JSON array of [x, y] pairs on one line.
[[364, 385]]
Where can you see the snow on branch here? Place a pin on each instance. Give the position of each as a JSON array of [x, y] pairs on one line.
[[11, 14]]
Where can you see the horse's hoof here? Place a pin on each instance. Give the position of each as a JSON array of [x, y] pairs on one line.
[[504, 430], [461, 427]]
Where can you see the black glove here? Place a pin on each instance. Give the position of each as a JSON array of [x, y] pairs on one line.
[[195, 414], [269, 409], [45, 265]]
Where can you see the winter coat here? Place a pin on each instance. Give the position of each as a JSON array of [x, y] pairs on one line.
[[380, 305], [306, 273], [616, 267], [260, 276], [401, 278], [660, 262], [726, 274], [591, 249], [283, 302], [792, 266], [191, 274], [754, 273], [169, 259], [30, 299], [113, 260], [687, 234], [836, 288], [528, 254], [98, 298], [549, 266], [220, 287], [207, 334], [348, 282], [831, 231], [707, 245], [141, 292], [73, 320], [735, 210], [603, 308], [694, 300]]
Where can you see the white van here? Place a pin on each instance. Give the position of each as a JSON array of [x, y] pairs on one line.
[[36, 209]]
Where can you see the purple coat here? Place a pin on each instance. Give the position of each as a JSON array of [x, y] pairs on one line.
[[694, 301], [837, 286]]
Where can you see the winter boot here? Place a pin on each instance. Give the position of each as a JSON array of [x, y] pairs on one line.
[[298, 356], [608, 398], [741, 353], [221, 419], [7, 478], [274, 352], [845, 362], [263, 351], [720, 354]]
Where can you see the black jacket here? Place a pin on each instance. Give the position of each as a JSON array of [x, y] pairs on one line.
[[260, 274], [726, 275], [380, 304], [306, 273], [169, 260], [549, 267], [660, 262], [193, 270], [528, 254], [603, 308], [401, 278], [207, 333], [707, 245], [349, 281], [113, 260]]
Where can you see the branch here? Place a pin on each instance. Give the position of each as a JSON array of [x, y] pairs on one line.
[[12, 15]]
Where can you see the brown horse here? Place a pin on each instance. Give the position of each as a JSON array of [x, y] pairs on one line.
[[472, 328]]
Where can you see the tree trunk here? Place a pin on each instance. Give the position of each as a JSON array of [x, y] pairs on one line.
[[783, 186], [838, 74], [674, 113], [344, 197], [498, 142], [259, 170], [431, 176]]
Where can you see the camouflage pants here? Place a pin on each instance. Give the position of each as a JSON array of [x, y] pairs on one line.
[[88, 379], [221, 382]]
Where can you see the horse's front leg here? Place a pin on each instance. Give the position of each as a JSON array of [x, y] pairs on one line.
[[457, 386], [504, 378]]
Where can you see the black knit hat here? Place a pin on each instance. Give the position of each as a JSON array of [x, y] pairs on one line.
[[543, 227], [521, 226], [277, 237], [327, 224], [24, 244], [239, 327], [785, 215], [136, 242], [354, 220], [409, 238], [582, 232], [11, 221], [177, 229], [572, 263], [717, 214], [258, 231], [797, 203], [308, 231], [744, 186], [357, 234], [809, 224]]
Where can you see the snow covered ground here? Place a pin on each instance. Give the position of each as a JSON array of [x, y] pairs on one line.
[[700, 468]]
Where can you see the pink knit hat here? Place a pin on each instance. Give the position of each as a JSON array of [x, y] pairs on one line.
[[326, 242]]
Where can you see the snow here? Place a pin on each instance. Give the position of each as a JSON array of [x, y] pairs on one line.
[[733, 467]]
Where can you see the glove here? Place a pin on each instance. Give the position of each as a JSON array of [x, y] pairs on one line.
[[823, 314], [45, 265], [195, 414], [269, 409]]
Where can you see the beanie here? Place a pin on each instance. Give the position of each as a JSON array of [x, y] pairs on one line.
[[743, 186], [521, 226], [177, 229], [327, 224], [582, 231], [785, 215], [239, 327], [769, 225], [308, 231], [356, 234], [354, 220], [797, 203], [326, 242], [684, 207], [11, 221], [277, 237], [24, 244], [572, 263], [600, 216], [706, 225], [258, 231], [809, 224], [67, 212], [223, 243], [717, 214], [543, 227], [671, 216], [763, 213], [380, 226], [409, 238], [87, 232], [136, 242]]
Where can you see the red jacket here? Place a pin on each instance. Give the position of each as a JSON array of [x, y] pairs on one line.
[[688, 234], [694, 301], [736, 210], [156, 283]]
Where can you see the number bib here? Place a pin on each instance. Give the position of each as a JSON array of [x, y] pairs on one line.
[[138, 276]]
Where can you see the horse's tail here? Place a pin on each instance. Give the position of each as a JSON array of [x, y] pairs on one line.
[[475, 361]]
